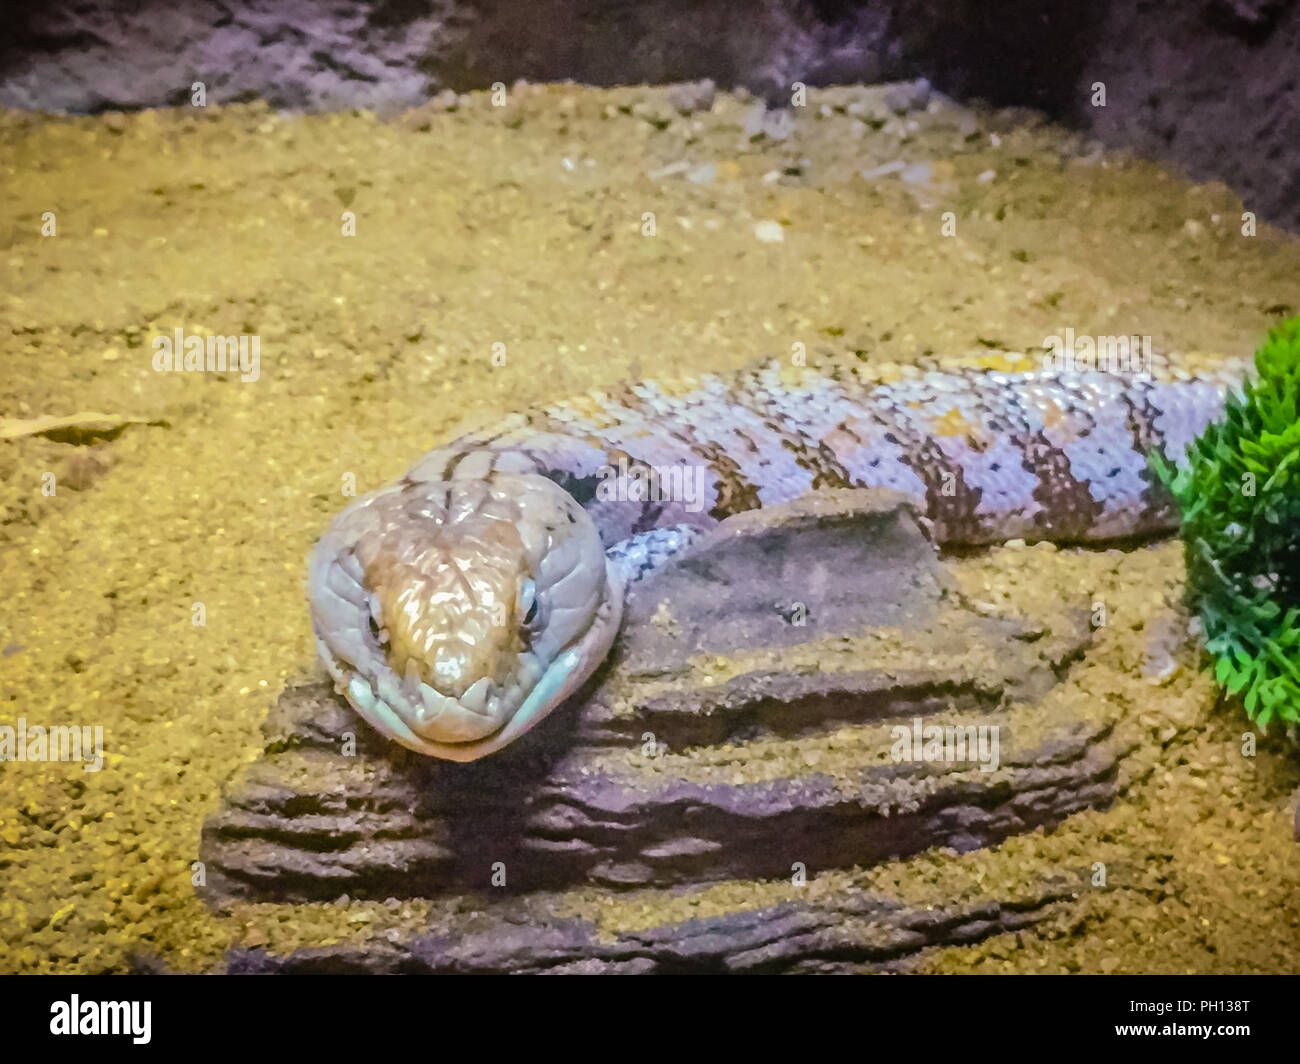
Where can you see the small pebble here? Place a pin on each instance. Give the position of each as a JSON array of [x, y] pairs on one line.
[[692, 96], [702, 173], [760, 122], [670, 170], [885, 168], [917, 174], [908, 96]]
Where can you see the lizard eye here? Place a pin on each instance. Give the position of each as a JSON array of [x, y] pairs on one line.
[[528, 607]]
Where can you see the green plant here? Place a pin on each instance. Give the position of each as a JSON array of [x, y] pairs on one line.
[[1239, 492]]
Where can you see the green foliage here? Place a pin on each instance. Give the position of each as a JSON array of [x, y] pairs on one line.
[[1239, 492]]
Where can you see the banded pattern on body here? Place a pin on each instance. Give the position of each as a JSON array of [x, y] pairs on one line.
[[991, 455], [409, 586]]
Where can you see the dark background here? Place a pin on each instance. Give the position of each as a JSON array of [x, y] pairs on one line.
[[1207, 84]]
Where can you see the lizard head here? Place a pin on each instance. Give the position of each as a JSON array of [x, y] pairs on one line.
[[454, 616]]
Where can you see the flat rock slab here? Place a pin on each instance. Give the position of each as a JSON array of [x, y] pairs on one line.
[[758, 714], [854, 931]]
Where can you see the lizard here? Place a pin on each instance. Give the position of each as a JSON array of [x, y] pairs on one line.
[[458, 606]]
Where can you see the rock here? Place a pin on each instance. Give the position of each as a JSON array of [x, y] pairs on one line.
[[735, 587], [1164, 640], [702, 173], [826, 627], [445, 101], [105, 55], [854, 931], [884, 169], [916, 174], [692, 96], [761, 122], [769, 232], [654, 111], [669, 170], [906, 96], [968, 125]]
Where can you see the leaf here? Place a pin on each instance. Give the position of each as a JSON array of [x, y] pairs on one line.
[[1240, 548], [73, 428]]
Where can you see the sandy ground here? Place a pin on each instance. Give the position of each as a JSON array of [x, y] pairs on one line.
[[526, 226]]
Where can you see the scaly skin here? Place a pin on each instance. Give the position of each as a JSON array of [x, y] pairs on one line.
[[460, 605]]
